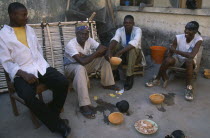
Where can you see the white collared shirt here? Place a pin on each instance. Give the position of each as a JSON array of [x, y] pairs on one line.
[[135, 39], [16, 56], [74, 48]]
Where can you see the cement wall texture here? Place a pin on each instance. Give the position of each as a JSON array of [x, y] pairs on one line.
[[161, 28], [53, 10], [205, 3]]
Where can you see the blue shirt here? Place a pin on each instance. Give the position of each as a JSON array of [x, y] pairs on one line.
[[128, 38]]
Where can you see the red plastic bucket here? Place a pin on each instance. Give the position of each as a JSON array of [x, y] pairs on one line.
[[157, 53]]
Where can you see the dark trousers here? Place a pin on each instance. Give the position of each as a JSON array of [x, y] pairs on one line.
[[56, 82]]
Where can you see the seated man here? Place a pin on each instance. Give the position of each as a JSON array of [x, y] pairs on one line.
[[21, 57], [182, 53], [79, 60], [129, 37]]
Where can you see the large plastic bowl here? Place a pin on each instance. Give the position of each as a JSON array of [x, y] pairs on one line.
[[116, 118], [115, 60], [156, 98]]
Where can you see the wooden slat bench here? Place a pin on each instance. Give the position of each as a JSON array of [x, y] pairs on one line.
[[52, 37]]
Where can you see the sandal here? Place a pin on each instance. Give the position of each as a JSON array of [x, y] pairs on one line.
[[112, 87], [88, 113]]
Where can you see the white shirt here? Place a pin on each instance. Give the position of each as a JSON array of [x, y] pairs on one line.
[[74, 48], [14, 55], [183, 46], [135, 39]]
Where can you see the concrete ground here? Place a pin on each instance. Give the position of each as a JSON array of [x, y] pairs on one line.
[[175, 113]]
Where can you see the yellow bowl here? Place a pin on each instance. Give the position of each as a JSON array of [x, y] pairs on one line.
[[156, 98], [115, 60], [116, 118]]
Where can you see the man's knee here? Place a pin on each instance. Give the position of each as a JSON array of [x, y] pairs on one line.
[[29, 97], [24, 90], [132, 56], [80, 70], [189, 62], [62, 82], [132, 52], [104, 61], [169, 61]]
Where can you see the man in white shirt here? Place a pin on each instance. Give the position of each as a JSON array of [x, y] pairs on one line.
[[182, 53], [21, 57], [127, 44], [83, 55]]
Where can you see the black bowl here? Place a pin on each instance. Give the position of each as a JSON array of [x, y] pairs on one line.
[[122, 106]]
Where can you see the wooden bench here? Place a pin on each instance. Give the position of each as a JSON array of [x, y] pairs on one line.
[[52, 37]]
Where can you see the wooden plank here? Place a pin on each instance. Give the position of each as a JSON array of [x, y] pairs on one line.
[[199, 4], [182, 4]]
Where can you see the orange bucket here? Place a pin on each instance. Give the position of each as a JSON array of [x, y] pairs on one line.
[[157, 53]]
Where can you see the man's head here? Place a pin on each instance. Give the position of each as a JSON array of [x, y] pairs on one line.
[[191, 29], [82, 32], [18, 14], [128, 23]]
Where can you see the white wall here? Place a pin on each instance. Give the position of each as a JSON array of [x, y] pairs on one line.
[[162, 3], [166, 22], [160, 28], [205, 3]]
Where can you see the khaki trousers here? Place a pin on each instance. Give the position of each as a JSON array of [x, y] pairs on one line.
[[79, 74], [129, 58]]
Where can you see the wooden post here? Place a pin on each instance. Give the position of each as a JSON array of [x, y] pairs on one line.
[[67, 8], [182, 3], [199, 4], [134, 2], [92, 16], [111, 11]]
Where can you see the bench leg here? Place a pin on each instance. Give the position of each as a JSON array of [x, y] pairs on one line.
[[34, 120], [14, 106]]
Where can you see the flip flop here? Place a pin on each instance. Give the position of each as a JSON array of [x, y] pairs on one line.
[[88, 114], [112, 87]]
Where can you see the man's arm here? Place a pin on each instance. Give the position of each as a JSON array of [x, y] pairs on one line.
[[172, 46], [7, 61], [83, 60], [125, 49], [119, 53], [114, 41], [112, 45], [11, 67], [109, 52], [188, 54], [30, 78]]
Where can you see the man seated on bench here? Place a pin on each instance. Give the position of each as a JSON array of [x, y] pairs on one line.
[[182, 53], [129, 37], [83, 55], [21, 57]]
